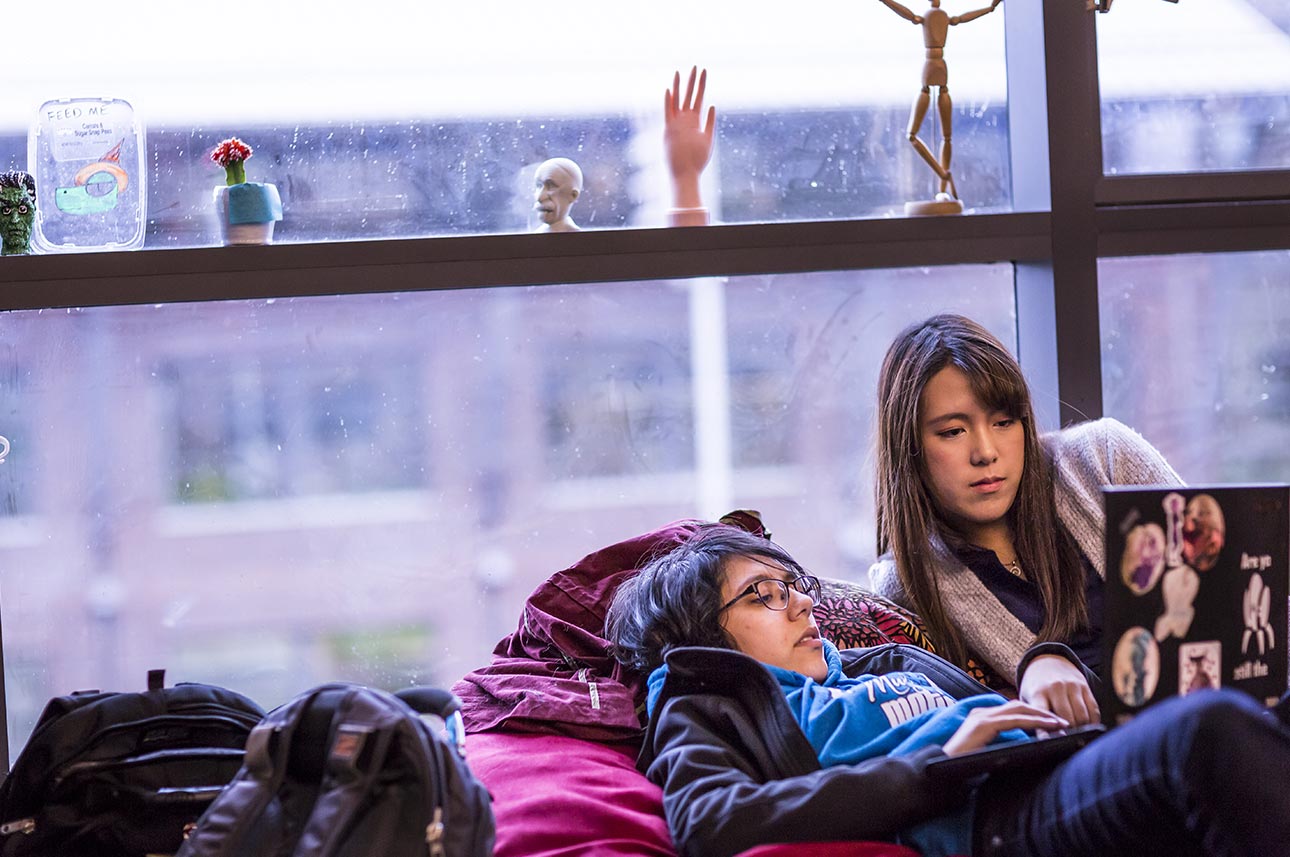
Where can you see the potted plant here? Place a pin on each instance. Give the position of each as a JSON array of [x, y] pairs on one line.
[[247, 210]]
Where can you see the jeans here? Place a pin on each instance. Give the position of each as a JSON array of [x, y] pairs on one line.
[[1204, 774]]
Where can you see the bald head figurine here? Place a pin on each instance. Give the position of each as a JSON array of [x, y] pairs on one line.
[[557, 184]]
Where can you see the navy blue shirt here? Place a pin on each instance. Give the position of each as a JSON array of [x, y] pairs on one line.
[[1021, 598]]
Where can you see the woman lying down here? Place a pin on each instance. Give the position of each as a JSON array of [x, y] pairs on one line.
[[761, 732]]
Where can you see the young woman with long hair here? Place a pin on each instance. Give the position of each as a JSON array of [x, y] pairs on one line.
[[990, 532]]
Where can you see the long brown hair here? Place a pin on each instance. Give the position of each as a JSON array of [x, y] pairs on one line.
[[910, 523]]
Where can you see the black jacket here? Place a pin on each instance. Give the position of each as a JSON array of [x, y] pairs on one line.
[[737, 771]]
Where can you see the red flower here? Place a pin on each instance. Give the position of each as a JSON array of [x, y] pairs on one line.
[[230, 151]]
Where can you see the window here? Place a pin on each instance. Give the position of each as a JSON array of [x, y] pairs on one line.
[[1202, 86], [255, 427], [615, 378], [389, 127], [804, 353], [14, 419], [618, 408], [214, 434], [369, 486], [1205, 374]]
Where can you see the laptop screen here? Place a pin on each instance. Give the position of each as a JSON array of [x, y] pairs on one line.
[[1197, 582]]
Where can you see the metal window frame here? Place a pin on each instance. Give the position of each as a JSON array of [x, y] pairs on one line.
[[1067, 215]]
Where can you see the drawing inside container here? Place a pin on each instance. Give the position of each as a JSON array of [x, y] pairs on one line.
[[97, 187]]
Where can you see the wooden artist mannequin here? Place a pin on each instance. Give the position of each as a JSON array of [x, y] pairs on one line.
[[688, 143], [935, 23], [557, 184]]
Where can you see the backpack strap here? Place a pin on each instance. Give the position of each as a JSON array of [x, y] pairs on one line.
[[430, 700], [244, 800], [441, 711], [365, 727]]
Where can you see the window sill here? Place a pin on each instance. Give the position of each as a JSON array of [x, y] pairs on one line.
[[289, 270]]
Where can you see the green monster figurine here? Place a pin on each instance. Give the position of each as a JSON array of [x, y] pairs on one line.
[[17, 212]]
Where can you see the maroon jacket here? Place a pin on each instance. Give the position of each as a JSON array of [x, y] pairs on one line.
[[555, 673]]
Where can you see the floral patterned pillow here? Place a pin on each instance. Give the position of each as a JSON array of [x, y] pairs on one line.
[[853, 617]]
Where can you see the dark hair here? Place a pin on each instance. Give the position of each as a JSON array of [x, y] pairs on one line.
[[910, 523], [676, 600], [20, 180]]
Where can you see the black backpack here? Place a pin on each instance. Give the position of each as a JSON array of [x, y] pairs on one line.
[[348, 771], [123, 774]]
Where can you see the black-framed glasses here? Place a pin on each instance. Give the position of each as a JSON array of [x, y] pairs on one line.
[[773, 593]]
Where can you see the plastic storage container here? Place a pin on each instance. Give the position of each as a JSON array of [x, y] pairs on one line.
[[87, 155]]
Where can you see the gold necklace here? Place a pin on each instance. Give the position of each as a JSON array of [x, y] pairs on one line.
[[1014, 566]]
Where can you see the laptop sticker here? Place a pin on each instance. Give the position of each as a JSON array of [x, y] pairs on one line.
[[1198, 666]]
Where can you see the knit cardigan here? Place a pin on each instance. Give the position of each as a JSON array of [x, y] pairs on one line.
[[1084, 457]]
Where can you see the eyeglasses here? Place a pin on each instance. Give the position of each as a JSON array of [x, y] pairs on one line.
[[773, 593]]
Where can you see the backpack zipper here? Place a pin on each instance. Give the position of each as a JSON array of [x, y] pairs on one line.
[[22, 825], [432, 773], [75, 769], [237, 719]]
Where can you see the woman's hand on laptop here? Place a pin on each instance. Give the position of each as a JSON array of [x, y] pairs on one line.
[[983, 725], [1053, 683]]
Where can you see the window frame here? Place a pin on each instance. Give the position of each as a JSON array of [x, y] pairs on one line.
[[1066, 215]]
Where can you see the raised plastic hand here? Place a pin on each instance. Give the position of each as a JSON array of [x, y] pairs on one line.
[[1053, 683], [688, 141]]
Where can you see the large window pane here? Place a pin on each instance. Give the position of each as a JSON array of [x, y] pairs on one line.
[[270, 494], [1195, 356], [1196, 86], [14, 428], [428, 119]]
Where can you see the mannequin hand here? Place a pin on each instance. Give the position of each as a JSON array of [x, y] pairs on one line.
[[1054, 684], [688, 145], [983, 725]]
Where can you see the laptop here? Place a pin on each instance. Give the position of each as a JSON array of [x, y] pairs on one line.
[[1043, 750], [1197, 585], [1197, 582]]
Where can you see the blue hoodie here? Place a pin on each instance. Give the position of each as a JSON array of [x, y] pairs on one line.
[[848, 720]]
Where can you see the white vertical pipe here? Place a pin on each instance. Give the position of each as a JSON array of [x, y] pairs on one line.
[[710, 383]]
